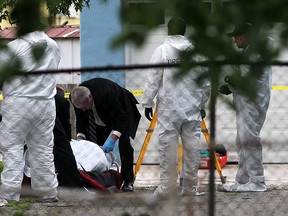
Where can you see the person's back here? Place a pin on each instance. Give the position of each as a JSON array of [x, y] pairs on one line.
[[178, 108], [22, 49], [175, 93]]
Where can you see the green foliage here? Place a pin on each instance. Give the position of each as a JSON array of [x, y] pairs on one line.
[[38, 50], [27, 22], [7, 72], [28, 16], [208, 23], [28, 11], [21, 206], [1, 167], [208, 29], [62, 6]]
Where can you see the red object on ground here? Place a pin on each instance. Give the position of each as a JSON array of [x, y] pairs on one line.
[[205, 162]]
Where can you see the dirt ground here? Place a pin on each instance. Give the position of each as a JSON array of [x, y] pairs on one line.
[[141, 203]]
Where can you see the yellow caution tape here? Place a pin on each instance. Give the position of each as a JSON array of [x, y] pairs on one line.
[[279, 87], [137, 92], [140, 92], [67, 95]]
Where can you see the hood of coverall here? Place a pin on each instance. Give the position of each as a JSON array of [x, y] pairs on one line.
[[179, 42], [173, 96]]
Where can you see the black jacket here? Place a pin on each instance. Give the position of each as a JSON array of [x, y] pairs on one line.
[[116, 107], [63, 114]]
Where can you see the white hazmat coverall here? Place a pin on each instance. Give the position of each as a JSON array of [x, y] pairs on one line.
[[250, 117], [28, 111], [178, 108]]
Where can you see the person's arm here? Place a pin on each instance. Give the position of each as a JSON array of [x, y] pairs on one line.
[[152, 84], [110, 142], [153, 80], [116, 134]]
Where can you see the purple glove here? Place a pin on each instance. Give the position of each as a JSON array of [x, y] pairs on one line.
[[109, 144]]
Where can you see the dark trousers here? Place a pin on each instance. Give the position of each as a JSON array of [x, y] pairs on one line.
[[64, 160], [125, 149]]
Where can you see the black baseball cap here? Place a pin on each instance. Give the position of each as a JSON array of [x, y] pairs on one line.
[[240, 29]]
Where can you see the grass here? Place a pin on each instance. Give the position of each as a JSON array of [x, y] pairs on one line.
[[19, 207], [1, 166], [16, 208]]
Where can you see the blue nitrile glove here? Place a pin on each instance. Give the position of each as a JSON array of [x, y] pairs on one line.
[[109, 144]]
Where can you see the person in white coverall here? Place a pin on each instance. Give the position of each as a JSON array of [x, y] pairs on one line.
[[178, 107], [28, 111], [250, 117]]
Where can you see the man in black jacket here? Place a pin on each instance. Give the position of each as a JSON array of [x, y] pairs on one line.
[[116, 116]]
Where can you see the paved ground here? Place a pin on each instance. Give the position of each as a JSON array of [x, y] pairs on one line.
[[275, 175], [141, 203]]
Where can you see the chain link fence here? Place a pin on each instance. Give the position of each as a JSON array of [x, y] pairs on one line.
[[274, 155], [214, 202]]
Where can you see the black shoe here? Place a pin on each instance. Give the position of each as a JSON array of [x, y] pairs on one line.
[[127, 187]]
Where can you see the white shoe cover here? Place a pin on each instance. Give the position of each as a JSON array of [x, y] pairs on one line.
[[160, 191], [194, 192], [3, 202], [252, 187], [230, 187], [248, 187]]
